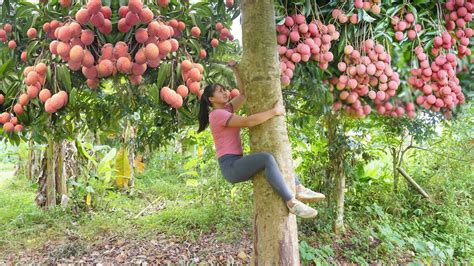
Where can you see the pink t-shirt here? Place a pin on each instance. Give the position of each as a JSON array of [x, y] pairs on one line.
[[226, 139]]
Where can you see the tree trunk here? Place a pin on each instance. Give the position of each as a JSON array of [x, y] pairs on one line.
[[336, 175], [31, 160], [61, 185], [42, 180], [57, 164], [130, 141], [71, 160], [50, 176], [275, 231], [340, 190], [394, 169]]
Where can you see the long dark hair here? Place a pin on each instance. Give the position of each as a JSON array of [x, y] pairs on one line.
[[204, 104]]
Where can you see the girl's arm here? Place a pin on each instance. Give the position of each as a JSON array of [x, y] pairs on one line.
[[240, 99], [258, 118]]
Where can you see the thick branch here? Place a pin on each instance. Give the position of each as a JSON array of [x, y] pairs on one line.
[[414, 184]]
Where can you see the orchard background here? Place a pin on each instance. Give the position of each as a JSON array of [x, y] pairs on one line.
[[100, 159]]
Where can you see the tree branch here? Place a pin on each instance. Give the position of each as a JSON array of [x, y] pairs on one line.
[[404, 151], [440, 154], [414, 184]]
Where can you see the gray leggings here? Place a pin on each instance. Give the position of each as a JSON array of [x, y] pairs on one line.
[[238, 168]]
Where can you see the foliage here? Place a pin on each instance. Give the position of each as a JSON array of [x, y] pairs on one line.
[[107, 109]]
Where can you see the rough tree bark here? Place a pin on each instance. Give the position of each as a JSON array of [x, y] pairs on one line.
[[394, 153], [130, 140], [398, 154], [336, 177], [58, 163], [50, 177], [275, 231], [40, 198], [61, 174], [31, 160]]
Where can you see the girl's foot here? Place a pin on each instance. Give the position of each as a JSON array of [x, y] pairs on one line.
[[307, 195], [300, 209]]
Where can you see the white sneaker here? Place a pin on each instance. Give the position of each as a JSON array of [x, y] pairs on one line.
[[302, 210], [307, 195]]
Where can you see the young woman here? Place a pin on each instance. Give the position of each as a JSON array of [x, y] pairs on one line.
[[235, 167]]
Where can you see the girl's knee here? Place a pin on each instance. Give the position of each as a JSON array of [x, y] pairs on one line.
[[231, 180], [268, 158]]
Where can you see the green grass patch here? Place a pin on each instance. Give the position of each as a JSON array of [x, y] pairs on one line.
[[6, 171], [181, 210]]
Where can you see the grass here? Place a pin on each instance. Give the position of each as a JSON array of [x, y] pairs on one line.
[[181, 210], [381, 226], [7, 170], [23, 224]]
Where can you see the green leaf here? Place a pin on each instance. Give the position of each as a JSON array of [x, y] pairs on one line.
[[153, 91], [195, 45], [413, 10], [367, 17], [6, 8], [90, 189], [163, 73], [65, 77], [192, 182], [5, 66], [83, 151], [202, 9], [420, 2], [32, 46], [72, 97], [122, 165], [24, 11], [307, 9], [342, 44], [29, 4], [105, 165]]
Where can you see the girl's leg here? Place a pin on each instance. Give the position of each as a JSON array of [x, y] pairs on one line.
[[238, 169], [297, 181], [244, 168]]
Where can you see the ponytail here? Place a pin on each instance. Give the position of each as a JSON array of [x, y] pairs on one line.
[[204, 105], [203, 115]]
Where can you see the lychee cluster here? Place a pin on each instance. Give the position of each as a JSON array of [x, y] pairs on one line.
[[192, 75], [301, 41], [460, 14], [372, 5], [73, 43], [50, 28], [343, 18], [10, 123], [35, 78], [366, 71], [437, 82], [7, 28], [457, 21], [407, 24], [97, 15], [224, 34]]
